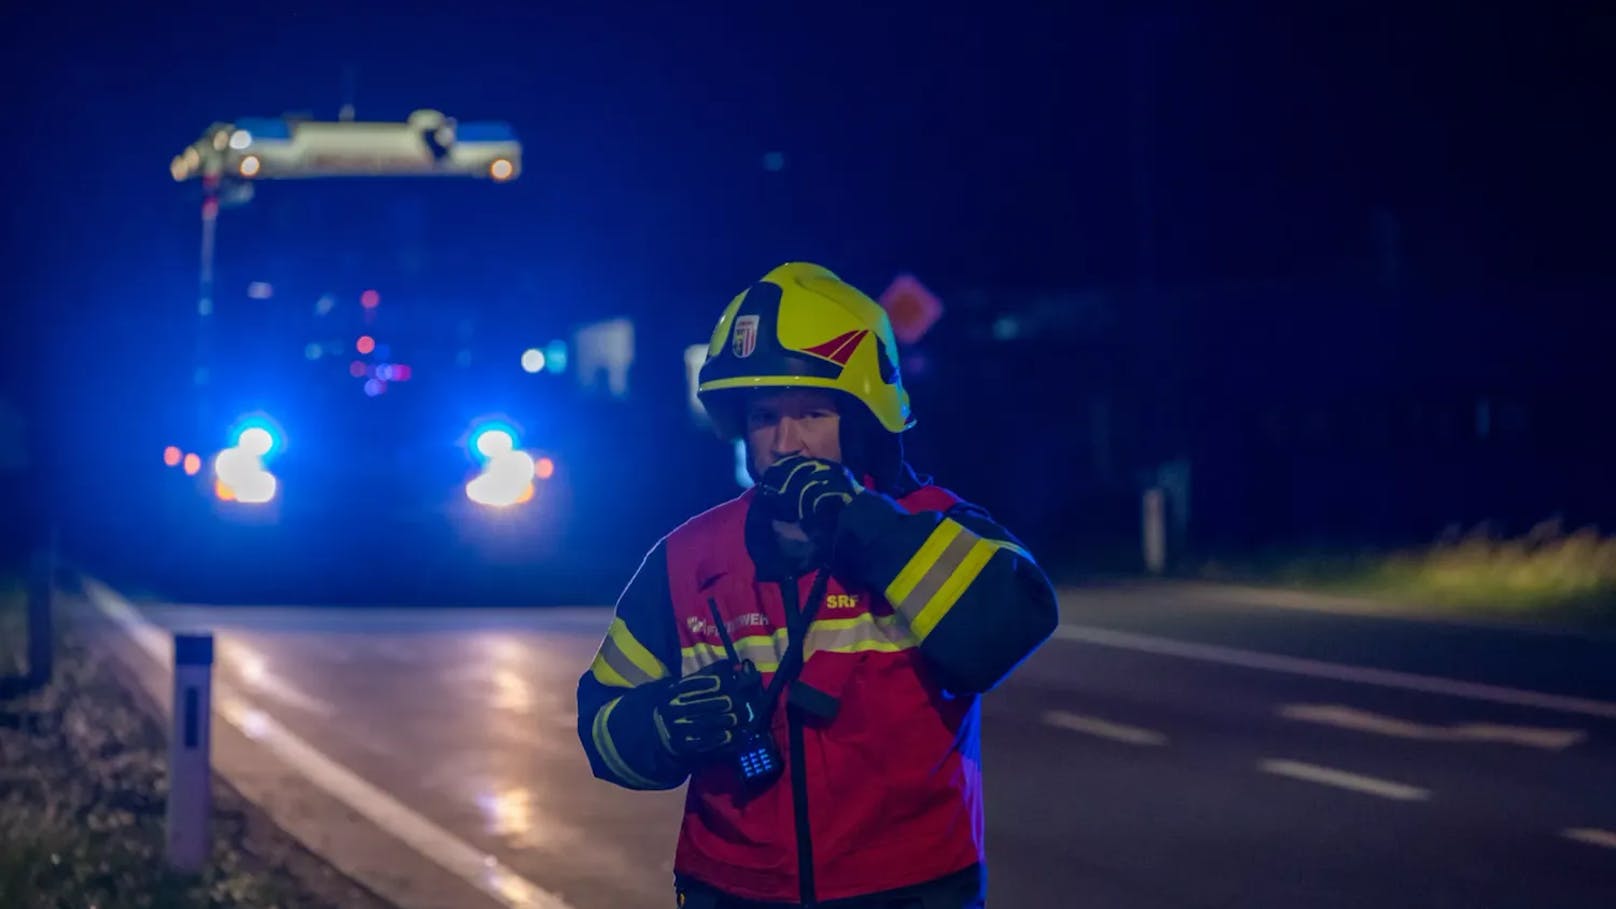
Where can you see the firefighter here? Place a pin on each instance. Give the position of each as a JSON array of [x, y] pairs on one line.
[[811, 654]]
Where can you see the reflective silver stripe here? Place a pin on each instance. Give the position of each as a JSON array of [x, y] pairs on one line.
[[862, 633], [764, 651], [621, 664], [938, 574]]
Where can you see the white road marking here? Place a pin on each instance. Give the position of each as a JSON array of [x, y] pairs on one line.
[[1593, 836], [239, 658], [149, 637], [1363, 675], [480, 869], [1103, 728], [1344, 717], [253, 669], [1341, 779]]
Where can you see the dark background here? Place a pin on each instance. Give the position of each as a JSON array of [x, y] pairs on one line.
[[1350, 263]]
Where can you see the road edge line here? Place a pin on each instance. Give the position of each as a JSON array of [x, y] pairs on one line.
[[1341, 672], [479, 869]]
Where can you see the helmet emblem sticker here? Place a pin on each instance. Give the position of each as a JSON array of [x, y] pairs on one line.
[[745, 337], [840, 349]]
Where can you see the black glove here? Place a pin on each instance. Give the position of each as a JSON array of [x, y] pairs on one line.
[[698, 715], [809, 491]]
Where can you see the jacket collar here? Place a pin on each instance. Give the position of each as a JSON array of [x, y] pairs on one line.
[[770, 561]]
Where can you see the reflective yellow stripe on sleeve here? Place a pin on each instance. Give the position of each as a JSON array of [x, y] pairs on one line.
[[923, 560], [608, 750], [952, 586], [623, 662], [934, 579], [1015, 549]]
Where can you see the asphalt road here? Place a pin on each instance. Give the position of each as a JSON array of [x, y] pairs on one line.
[[1171, 747]]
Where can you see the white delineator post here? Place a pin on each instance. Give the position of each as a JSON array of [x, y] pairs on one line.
[[1154, 514], [190, 774]]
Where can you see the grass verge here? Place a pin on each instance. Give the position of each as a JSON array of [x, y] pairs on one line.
[[1545, 575], [82, 798]]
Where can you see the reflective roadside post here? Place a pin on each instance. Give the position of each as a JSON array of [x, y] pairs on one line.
[[190, 783], [41, 628], [1154, 523]]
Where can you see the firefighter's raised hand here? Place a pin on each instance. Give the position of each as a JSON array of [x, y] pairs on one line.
[[807, 491]]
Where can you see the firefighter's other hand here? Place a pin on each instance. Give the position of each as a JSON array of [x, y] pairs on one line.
[[808, 491], [700, 713]]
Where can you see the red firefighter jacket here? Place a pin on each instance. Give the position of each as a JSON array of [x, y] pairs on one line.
[[929, 604]]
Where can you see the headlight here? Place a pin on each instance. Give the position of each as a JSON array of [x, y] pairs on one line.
[[507, 471], [507, 479], [239, 474]]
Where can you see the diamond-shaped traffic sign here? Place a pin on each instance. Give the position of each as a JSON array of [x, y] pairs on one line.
[[912, 308]]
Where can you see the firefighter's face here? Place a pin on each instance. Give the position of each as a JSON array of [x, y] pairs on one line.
[[792, 421]]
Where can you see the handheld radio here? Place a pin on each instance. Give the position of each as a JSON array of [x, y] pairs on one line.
[[756, 756]]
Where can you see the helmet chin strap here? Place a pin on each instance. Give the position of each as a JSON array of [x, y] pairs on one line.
[[874, 455]]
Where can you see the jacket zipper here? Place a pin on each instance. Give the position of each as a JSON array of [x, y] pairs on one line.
[[799, 766]]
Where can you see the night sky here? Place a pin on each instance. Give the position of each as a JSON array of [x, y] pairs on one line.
[[1006, 144], [999, 146]]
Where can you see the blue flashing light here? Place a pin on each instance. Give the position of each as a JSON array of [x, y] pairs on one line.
[[743, 476], [265, 127], [555, 356], [491, 438], [259, 433]]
